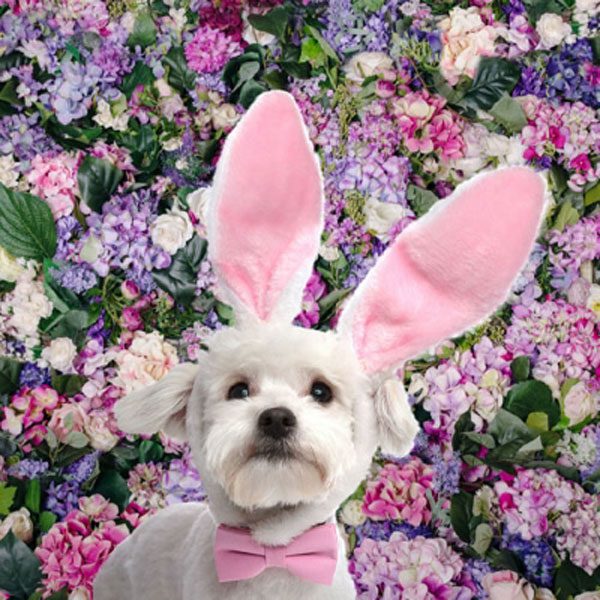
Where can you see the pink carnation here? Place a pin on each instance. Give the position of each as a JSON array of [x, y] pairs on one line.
[[73, 551], [399, 492], [209, 50], [54, 179]]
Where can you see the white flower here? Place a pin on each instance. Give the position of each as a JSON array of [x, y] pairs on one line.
[[60, 354], [552, 30], [329, 253], [79, 593], [10, 269], [20, 523], [366, 64], [198, 202], [588, 596], [579, 403], [172, 144], [97, 429], [593, 301], [179, 18], [172, 230], [381, 216], [589, 6], [148, 359], [352, 513], [128, 21], [9, 175], [105, 118], [224, 116]]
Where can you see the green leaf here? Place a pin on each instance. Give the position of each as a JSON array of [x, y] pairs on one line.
[[507, 427], [77, 439], [532, 396], [329, 51], [312, 53], [329, 303], [67, 385], [508, 113], [47, 519], [483, 538], [150, 451], [274, 22], [26, 225], [7, 495], [179, 76], [179, 279], [495, 77], [536, 8], [249, 92], [592, 195], [144, 31], [97, 180], [112, 486], [571, 581], [538, 421], [461, 513], [420, 200], [247, 71], [10, 370], [484, 439], [520, 368], [33, 495], [20, 571], [567, 215], [140, 75]]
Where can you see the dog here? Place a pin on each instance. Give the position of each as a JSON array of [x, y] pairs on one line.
[[283, 421]]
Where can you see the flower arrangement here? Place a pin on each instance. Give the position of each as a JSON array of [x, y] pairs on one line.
[[112, 117]]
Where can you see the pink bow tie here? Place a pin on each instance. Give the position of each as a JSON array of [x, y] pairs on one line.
[[312, 555]]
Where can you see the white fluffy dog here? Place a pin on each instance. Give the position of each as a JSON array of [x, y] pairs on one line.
[[283, 421]]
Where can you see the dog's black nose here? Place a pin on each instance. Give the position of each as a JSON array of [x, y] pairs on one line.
[[277, 423]]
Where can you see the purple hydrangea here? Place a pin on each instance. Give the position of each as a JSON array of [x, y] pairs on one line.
[[382, 530], [22, 136], [536, 555], [32, 376], [62, 498], [28, 468], [77, 278], [82, 469], [182, 482]]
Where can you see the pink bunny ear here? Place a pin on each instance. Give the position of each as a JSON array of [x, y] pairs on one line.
[[448, 270], [266, 209]]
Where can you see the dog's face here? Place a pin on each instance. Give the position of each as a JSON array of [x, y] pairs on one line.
[[279, 415]]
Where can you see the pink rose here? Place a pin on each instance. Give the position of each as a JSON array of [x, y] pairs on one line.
[[66, 419], [507, 584]]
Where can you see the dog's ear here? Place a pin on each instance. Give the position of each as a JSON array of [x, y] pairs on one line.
[[447, 271], [266, 211], [159, 407], [396, 424]]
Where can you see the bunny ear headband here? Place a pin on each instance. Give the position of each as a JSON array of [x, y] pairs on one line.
[[443, 274]]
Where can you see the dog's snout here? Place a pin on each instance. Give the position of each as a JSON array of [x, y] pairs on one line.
[[277, 423]]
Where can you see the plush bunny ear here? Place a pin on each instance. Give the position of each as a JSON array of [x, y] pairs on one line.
[[447, 271], [265, 215]]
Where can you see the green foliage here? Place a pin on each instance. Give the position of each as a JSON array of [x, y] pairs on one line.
[[144, 31], [112, 486], [461, 515], [420, 200], [7, 495], [9, 375], [495, 78], [26, 225], [274, 22], [532, 397], [508, 113], [19, 568], [178, 74], [97, 180], [520, 368]]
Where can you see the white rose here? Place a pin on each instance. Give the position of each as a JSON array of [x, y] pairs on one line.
[[224, 116], [198, 202], [352, 513], [579, 403], [60, 354], [381, 216], [97, 429], [593, 301], [20, 523], [552, 30], [10, 269], [366, 64], [254, 36], [172, 230], [9, 175]]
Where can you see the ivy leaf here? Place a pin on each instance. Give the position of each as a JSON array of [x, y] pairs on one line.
[[26, 225], [249, 92], [97, 180], [420, 199], [532, 397], [508, 113], [144, 31], [179, 279], [10, 370], [274, 22], [461, 513], [20, 571], [495, 77]]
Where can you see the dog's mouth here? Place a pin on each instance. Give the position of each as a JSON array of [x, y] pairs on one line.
[[273, 450]]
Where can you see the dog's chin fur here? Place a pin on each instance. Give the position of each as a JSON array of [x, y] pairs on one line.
[[262, 483]]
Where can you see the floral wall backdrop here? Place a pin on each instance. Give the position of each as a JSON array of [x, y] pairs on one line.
[[112, 116]]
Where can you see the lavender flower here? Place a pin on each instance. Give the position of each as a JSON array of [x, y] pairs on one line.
[[28, 468], [62, 498], [82, 469], [77, 278]]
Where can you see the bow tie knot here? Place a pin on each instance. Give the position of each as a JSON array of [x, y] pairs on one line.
[[311, 556]]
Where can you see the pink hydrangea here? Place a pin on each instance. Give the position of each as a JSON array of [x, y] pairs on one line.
[[209, 50], [399, 492], [73, 551], [417, 569], [314, 290], [531, 500], [54, 179], [28, 413], [426, 126]]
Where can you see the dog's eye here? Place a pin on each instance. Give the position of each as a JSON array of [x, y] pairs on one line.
[[238, 391], [321, 392]]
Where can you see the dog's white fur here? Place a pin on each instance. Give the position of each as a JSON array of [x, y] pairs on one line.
[[170, 556]]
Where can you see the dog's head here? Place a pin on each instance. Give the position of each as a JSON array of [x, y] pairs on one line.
[[278, 415]]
